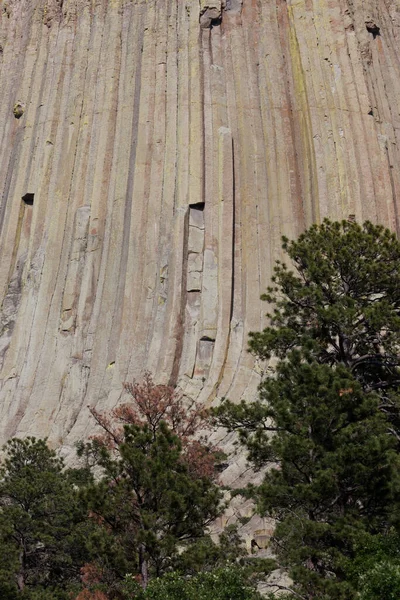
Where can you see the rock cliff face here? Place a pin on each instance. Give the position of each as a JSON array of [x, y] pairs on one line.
[[152, 153]]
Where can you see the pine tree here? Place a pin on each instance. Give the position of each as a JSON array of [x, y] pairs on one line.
[[327, 421], [43, 525], [341, 303], [157, 492]]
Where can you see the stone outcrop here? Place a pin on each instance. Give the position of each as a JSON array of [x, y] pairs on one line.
[[210, 13], [164, 146]]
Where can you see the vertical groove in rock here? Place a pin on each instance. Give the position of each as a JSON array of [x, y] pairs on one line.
[[162, 149]]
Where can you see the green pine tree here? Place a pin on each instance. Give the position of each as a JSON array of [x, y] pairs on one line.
[[43, 525], [327, 421], [341, 303], [376, 568]]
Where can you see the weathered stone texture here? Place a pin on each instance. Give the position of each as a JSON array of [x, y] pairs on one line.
[[163, 148]]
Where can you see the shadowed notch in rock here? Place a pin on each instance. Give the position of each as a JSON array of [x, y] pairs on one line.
[[215, 22], [196, 216], [374, 29], [197, 206], [28, 198], [18, 110], [206, 338]]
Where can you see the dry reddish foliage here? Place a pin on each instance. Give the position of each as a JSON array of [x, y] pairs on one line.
[[155, 403], [88, 595], [201, 459], [96, 518], [91, 574]]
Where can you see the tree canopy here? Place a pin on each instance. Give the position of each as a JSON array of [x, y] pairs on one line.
[[43, 524], [221, 583], [140, 506], [326, 424], [157, 492], [341, 301]]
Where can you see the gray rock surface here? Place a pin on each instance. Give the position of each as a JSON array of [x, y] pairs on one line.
[[163, 149]]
